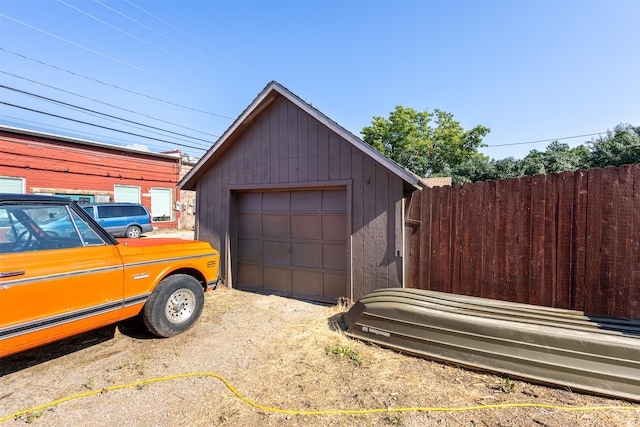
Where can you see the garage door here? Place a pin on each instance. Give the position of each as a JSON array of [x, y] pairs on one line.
[[293, 243]]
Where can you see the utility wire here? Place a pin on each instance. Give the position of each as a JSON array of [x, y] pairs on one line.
[[99, 113], [545, 140], [128, 34], [104, 55], [107, 104], [173, 27], [96, 125], [112, 85], [75, 133], [142, 24]]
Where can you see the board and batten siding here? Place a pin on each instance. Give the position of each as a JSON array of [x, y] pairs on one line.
[[286, 148]]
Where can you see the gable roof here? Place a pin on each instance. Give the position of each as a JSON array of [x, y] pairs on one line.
[[270, 93]]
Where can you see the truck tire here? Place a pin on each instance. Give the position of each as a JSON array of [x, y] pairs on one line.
[[174, 306]]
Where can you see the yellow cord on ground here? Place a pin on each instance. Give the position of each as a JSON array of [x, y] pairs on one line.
[[323, 412]]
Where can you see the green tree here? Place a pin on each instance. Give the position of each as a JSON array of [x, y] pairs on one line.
[[478, 168], [427, 143], [620, 147]]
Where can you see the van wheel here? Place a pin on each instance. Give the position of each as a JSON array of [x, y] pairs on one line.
[[174, 306], [133, 232]]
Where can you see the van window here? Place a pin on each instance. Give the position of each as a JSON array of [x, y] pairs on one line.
[[89, 210], [109, 211], [133, 211]]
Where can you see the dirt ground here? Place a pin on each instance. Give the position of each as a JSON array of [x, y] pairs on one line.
[[280, 355]]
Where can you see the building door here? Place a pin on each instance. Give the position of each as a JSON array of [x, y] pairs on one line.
[[293, 243]]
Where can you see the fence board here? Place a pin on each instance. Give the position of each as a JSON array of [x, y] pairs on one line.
[[455, 241], [524, 240], [623, 241], [634, 293], [536, 263], [579, 241], [477, 251], [500, 241], [550, 240], [569, 240], [424, 262], [489, 238], [512, 234], [564, 232], [607, 244]]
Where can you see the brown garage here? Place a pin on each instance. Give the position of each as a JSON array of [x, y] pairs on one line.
[[298, 205]]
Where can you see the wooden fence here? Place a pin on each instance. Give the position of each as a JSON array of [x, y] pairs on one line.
[[568, 240]]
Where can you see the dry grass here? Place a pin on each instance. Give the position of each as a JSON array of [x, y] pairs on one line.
[[279, 353]]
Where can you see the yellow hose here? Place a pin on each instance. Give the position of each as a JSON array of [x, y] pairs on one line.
[[324, 412]]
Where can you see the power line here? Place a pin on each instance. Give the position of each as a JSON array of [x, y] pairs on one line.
[[113, 86], [173, 27], [107, 104], [96, 125], [127, 33], [99, 113], [104, 55], [545, 140]]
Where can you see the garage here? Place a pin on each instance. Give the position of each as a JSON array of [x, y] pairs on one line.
[[293, 243], [299, 206]]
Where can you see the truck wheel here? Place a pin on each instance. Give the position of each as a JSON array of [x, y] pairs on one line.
[[133, 232], [174, 306]]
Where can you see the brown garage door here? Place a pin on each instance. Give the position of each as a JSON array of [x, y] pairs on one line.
[[293, 243]]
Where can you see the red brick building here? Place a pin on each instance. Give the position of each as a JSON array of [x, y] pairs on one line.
[[91, 172]]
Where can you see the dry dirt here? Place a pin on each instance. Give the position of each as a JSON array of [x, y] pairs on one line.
[[277, 352]]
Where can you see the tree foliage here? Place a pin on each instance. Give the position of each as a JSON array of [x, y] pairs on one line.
[[434, 144], [620, 147], [427, 143]]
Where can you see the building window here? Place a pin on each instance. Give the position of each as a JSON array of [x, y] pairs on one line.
[[126, 194], [12, 185], [161, 204]]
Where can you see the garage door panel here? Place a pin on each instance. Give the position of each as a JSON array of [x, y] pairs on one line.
[[334, 285], [306, 255], [249, 224], [276, 253], [334, 227], [275, 201], [248, 202], [275, 225], [306, 227], [248, 250], [275, 278], [306, 201], [334, 201], [306, 283], [249, 275], [334, 256]]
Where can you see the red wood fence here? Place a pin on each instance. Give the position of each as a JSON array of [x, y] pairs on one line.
[[568, 240]]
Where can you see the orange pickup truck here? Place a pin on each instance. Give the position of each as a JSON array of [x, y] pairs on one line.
[[62, 274]]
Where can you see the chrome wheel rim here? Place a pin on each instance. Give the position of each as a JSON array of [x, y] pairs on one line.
[[180, 306]]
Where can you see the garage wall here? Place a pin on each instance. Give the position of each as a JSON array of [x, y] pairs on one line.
[[286, 148]]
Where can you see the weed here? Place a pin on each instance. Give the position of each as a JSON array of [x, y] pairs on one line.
[[134, 366], [89, 384], [507, 386], [353, 355], [32, 416], [393, 420]]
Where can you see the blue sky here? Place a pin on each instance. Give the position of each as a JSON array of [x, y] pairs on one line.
[[184, 70]]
